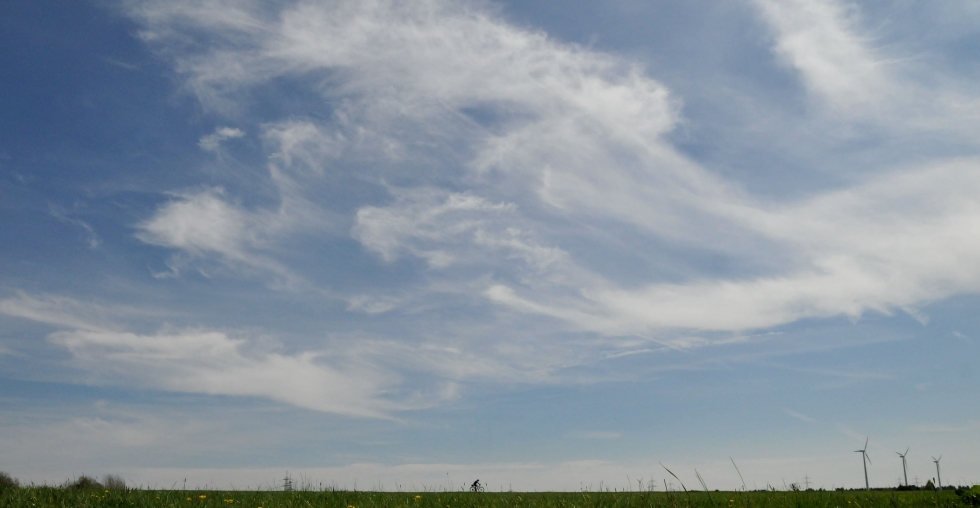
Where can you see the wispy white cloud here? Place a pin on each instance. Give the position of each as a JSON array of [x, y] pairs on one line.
[[560, 111], [201, 223], [851, 433], [874, 247], [119, 63], [342, 380], [799, 416], [822, 39], [357, 376], [69, 312], [91, 237], [429, 223], [303, 148], [214, 363], [212, 142], [205, 224], [510, 146], [848, 69]]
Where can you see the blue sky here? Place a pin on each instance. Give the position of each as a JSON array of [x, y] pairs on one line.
[[547, 245]]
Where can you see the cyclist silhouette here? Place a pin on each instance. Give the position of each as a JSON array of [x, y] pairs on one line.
[[476, 487]]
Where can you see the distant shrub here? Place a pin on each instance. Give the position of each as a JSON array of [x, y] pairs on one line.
[[113, 482], [85, 483], [8, 482], [969, 497]]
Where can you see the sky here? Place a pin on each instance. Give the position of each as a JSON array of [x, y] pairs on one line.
[[551, 245]]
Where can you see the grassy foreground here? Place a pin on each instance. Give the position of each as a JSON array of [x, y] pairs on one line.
[[43, 497]]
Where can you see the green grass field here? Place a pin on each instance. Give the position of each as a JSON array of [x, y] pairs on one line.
[[43, 497]]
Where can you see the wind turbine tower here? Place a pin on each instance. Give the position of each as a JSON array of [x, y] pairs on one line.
[[939, 478], [904, 469], [864, 455]]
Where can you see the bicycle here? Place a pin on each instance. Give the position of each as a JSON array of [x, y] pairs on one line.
[[476, 487]]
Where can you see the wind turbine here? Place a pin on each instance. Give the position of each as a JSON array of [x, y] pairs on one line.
[[864, 455], [940, 478], [904, 469]]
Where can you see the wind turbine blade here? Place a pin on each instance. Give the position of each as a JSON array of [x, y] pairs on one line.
[[940, 458], [866, 456], [866, 443], [906, 452]]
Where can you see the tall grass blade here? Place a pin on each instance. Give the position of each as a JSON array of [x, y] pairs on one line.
[[739, 474], [696, 473]]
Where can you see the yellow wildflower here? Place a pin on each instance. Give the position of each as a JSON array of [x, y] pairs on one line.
[[202, 496]]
